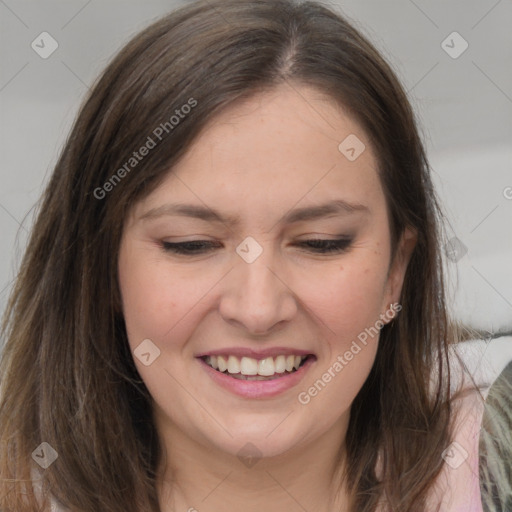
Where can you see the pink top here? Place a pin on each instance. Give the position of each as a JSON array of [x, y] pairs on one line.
[[458, 489]]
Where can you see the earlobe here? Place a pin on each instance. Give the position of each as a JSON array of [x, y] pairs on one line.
[[391, 313], [399, 266]]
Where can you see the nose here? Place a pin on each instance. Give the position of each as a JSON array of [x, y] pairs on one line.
[[256, 296]]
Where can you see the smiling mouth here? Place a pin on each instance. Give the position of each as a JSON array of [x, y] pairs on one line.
[[247, 368]]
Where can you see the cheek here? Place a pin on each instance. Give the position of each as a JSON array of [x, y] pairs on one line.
[[152, 298], [330, 392], [348, 297], [348, 302]]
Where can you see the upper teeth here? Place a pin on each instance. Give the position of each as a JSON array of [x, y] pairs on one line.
[[249, 366]]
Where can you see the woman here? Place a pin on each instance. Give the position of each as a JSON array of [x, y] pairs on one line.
[[233, 294]]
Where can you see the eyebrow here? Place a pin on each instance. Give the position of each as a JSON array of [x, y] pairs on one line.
[[329, 209]]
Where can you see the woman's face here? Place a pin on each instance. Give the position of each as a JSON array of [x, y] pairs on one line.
[[265, 179]]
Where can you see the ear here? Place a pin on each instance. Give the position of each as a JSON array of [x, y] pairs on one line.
[[398, 267]]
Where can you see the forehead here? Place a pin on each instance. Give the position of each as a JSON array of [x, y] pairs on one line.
[[275, 150], [286, 122]]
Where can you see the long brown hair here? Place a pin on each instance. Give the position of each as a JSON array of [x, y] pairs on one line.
[[67, 374]]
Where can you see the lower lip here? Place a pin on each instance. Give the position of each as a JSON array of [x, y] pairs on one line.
[[258, 388]]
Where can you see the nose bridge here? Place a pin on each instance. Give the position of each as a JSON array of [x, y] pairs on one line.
[[258, 280], [258, 285], [257, 296]]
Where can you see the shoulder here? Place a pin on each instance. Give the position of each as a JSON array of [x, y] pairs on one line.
[[457, 488], [481, 364]]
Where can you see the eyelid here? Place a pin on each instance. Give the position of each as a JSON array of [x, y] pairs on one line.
[[325, 246]]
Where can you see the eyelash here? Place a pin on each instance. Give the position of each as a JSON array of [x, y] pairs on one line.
[[319, 246]]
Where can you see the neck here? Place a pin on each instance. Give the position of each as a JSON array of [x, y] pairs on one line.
[[306, 477]]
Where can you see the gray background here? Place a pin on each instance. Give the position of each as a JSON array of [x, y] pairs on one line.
[[464, 107]]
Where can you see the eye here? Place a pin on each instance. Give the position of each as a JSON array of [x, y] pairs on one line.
[[191, 248], [327, 245], [194, 247]]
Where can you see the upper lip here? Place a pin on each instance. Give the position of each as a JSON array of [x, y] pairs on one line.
[[255, 354]]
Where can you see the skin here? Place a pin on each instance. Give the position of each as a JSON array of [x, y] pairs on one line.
[[258, 160]]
